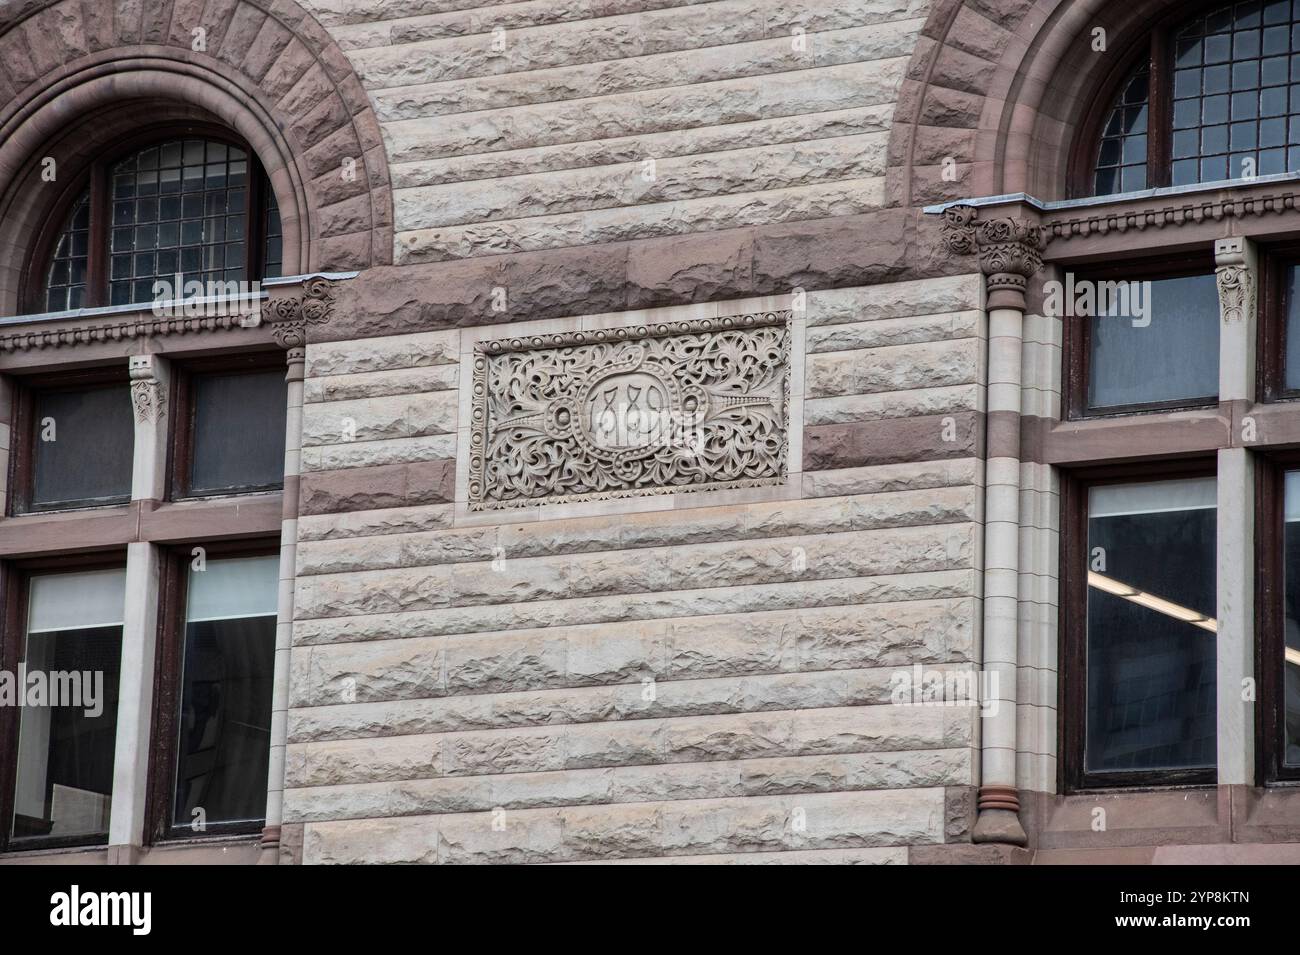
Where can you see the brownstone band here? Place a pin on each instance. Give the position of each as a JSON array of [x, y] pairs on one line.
[[846, 251], [378, 486], [893, 441]]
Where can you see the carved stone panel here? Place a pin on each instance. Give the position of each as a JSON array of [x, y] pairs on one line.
[[620, 412]]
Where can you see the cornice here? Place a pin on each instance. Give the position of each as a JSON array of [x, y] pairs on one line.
[[1153, 210], [1128, 216], [143, 325], [295, 302]]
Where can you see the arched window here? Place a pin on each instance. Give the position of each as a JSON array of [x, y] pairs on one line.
[[1212, 97], [198, 207]]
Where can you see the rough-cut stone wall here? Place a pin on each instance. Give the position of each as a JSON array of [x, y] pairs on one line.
[[700, 678], [530, 125]]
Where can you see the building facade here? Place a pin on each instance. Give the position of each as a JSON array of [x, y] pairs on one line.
[[460, 431]]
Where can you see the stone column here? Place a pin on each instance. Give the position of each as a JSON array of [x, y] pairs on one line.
[[289, 319], [149, 387], [1238, 280], [1010, 252]]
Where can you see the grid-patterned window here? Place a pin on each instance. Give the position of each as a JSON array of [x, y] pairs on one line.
[[1236, 113], [178, 208], [197, 208], [65, 282], [1215, 97], [1122, 160]]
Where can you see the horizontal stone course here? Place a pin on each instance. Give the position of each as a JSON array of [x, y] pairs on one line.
[[635, 183], [763, 824], [791, 775], [734, 645], [794, 93], [655, 71], [476, 618], [372, 418], [895, 368], [637, 148], [725, 564], [838, 730], [766, 521], [689, 691]]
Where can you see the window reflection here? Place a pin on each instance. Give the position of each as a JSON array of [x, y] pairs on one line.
[[1151, 628], [64, 783], [223, 749]]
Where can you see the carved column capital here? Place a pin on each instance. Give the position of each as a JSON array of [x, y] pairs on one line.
[[147, 395], [1010, 251], [289, 317]]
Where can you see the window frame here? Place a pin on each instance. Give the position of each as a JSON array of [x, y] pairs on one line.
[[22, 458], [1271, 330], [15, 591], [1077, 336], [95, 176], [180, 452], [1270, 616], [168, 664], [1072, 628]]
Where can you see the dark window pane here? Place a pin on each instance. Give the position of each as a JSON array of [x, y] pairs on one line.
[[225, 715], [1218, 49], [238, 432], [1187, 114], [1158, 343], [64, 782], [82, 444], [1215, 79], [1151, 628]]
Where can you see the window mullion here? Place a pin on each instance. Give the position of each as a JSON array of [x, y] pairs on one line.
[[1160, 113], [97, 249]]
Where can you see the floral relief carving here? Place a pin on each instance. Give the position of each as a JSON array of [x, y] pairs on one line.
[[1236, 292], [147, 395], [288, 318], [676, 407]]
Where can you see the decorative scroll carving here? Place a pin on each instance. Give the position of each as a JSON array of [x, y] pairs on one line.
[[288, 318], [147, 396], [660, 409], [1236, 292], [1235, 272]]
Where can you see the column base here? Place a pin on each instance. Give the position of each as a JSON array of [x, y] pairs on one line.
[[999, 817]]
